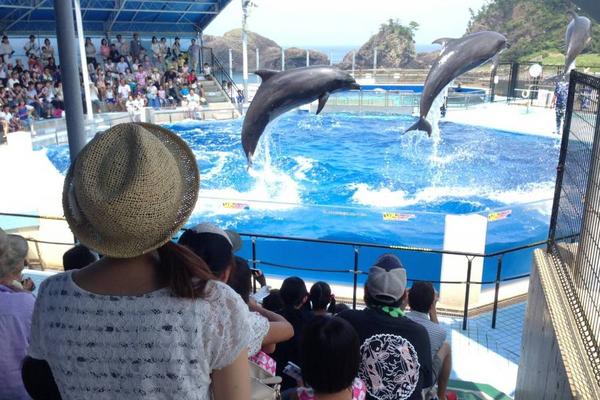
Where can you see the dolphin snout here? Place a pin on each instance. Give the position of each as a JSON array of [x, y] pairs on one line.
[[354, 86]]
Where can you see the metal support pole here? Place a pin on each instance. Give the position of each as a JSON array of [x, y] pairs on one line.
[[282, 59], [353, 61], [355, 279], [245, 6], [201, 44], [307, 58], [254, 263], [257, 64], [374, 61], [497, 291], [63, 11], [230, 64], [468, 289], [84, 66]]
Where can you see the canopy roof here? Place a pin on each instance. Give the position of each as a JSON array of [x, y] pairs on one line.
[[156, 17]]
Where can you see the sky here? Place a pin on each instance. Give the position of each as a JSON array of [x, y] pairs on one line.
[[345, 22]]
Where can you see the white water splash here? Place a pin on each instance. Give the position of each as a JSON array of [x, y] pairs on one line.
[[433, 117]]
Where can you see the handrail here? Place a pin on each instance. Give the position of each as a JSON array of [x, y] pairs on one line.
[[218, 67], [355, 271]]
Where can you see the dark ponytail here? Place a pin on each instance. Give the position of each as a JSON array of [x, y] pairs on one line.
[[186, 273], [320, 297]]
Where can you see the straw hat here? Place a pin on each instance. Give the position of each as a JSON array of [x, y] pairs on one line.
[[13, 250], [130, 189]]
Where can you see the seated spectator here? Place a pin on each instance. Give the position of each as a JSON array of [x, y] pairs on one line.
[[329, 361], [273, 301], [207, 72], [321, 300], [215, 246], [294, 295], [422, 300], [16, 309], [78, 257], [395, 351], [339, 307], [5, 117], [15, 123], [122, 65], [279, 329], [150, 297]]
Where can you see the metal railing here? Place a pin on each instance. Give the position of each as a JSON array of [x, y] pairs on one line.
[[574, 237], [356, 271], [398, 99], [221, 75]]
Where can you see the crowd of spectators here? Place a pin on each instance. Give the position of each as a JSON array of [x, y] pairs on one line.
[[124, 76], [136, 315]]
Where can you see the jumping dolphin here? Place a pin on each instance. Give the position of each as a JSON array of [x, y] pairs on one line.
[[457, 57], [280, 92], [579, 34]]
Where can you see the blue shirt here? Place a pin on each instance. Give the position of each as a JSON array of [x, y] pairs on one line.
[[561, 92]]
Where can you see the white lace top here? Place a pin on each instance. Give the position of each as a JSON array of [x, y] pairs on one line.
[[136, 347], [259, 327]]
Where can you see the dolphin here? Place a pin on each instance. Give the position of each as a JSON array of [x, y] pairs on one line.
[[457, 57], [578, 35], [280, 92]]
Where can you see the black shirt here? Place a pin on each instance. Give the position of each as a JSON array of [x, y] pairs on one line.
[[290, 349], [395, 352]]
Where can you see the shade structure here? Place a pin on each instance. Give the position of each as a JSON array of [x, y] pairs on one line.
[[101, 17]]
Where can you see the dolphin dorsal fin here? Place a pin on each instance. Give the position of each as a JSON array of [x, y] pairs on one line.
[[443, 41], [265, 74]]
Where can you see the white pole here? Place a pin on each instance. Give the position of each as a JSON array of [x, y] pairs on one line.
[[245, 47], [282, 59], [84, 67], [230, 64], [374, 61], [353, 61], [257, 64], [307, 58], [330, 58]]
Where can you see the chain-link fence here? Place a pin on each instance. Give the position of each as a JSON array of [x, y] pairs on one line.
[[574, 238]]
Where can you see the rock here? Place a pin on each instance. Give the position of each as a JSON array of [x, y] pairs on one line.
[[269, 52], [395, 48]]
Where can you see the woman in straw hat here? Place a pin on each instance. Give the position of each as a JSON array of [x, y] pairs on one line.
[[147, 320], [16, 307]]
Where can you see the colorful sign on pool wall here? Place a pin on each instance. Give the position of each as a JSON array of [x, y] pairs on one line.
[[392, 216], [497, 216]]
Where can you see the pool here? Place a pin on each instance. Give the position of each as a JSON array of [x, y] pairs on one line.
[[355, 177]]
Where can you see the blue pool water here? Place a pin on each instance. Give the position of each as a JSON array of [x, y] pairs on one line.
[[355, 177]]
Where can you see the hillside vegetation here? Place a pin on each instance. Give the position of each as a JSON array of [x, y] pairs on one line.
[[535, 28], [395, 46]]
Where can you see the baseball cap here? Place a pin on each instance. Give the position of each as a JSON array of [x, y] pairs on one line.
[[232, 237], [387, 279]]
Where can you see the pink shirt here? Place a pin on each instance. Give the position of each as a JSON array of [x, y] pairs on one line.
[[141, 78]]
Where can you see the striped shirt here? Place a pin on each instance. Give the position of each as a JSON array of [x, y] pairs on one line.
[[437, 333]]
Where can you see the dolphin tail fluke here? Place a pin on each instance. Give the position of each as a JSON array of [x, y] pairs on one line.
[[421, 125]]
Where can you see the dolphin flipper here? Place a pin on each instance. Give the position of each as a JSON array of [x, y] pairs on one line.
[[322, 101], [421, 125]]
